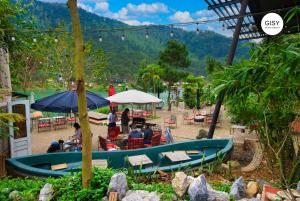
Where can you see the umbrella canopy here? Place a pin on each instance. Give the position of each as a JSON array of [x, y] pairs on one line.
[[66, 102], [133, 97]]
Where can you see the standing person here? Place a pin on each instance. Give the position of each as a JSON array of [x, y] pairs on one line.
[[112, 119], [78, 133], [125, 121], [148, 133], [111, 92]]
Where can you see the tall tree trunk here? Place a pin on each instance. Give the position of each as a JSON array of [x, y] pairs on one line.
[[5, 79], [169, 98], [82, 104]]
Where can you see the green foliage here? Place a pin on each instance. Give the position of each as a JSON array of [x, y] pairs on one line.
[[189, 96], [103, 110], [219, 186], [265, 91], [4, 119]]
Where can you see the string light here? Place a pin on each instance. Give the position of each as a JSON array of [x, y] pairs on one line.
[[55, 40], [100, 39], [34, 40], [198, 30], [123, 36], [147, 34], [172, 32], [13, 38], [223, 27]]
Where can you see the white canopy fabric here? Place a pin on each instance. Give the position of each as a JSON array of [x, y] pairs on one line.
[[133, 97]]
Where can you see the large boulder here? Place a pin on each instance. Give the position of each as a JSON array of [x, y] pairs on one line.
[[214, 195], [249, 199], [118, 183], [141, 195], [252, 189], [180, 183], [238, 189], [198, 189], [15, 196], [46, 192]]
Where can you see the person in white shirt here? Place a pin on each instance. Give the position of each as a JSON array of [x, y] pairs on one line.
[[112, 119]]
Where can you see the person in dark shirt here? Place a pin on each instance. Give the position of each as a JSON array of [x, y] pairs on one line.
[[54, 147], [135, 133], [125, 121], [148, 133]]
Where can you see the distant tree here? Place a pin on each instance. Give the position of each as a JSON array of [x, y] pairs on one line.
[[212, 65], [174, 56]]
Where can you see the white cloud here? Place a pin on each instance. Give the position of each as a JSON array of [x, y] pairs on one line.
[[203, 15], [180, 16], [147, 8], [102, 6], [136, 22], [86, 7]]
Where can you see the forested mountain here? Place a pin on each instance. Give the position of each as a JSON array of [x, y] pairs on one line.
[[126, 56]]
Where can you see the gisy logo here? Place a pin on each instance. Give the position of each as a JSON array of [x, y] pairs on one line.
[[272, 24]]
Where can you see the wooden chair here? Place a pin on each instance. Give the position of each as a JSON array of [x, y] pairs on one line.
[[102, 144], [155, 141], [188, 119], [135, 143], [172, 121], [44, 124], [59, 122]]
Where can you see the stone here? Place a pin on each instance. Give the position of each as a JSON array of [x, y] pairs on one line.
[[190, 179], [234, 164], [214, 195], [295, 193], [252, 189], [298, 186], [15, 196], [284, 194], [46, 192], [118, 183], [198, 189], [141, 195], [258, 196], [180, 183], [250, 199], [273, 196], [238, 189], [105, 198]]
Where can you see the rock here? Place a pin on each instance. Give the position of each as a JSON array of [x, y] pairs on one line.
[[249, 199], [273, 197], [234, 164], [105, 198], [217, 196], [190, 179], [284, 195], [258, 196], [238, 189], [198, 189], [174, 198], [15, 196], [252, 189], [46, 192], [140, 195], [118, 183], [298, 186], [295, 193], [180, 183]]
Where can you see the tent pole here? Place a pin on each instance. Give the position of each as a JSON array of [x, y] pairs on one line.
[[230, 58]]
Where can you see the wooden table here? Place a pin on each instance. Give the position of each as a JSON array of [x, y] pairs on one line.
[[236, 127]]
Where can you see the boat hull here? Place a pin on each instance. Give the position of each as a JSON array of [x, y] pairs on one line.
[[40, 165]]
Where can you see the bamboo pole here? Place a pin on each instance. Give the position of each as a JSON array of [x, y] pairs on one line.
[[82, 103]]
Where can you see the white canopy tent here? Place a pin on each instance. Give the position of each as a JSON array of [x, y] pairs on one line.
[[133, 97]]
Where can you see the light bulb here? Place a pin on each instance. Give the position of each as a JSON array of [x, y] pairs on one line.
[[171, 34], [147, 36], [56, 40], [34, 40], [197, 31], [100, 39], [123, 37]]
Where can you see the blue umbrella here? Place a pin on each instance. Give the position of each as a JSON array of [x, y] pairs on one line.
[[66, 102]]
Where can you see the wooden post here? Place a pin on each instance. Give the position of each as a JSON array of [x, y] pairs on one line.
[[82, 104], [230, 58]]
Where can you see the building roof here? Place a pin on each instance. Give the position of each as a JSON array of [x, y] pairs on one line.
[[228, 12]]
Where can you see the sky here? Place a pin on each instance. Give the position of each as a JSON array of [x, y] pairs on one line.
[[145, 12]]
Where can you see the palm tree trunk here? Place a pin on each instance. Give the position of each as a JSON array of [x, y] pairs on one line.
[[82, 104]]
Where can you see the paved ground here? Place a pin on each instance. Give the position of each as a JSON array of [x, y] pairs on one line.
[[41, 140]]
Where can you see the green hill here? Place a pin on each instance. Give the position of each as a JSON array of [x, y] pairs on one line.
[[126, 56]]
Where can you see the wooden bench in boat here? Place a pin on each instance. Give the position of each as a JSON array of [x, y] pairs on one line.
[[176, 156], [139, 160], [99, 163], [59, 166]]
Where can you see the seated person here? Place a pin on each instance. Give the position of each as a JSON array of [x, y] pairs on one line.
[[135, 132], [78, 133], [54, 147], [148, 133]]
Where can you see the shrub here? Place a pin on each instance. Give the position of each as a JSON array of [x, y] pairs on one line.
[[103, 110], [189, 96]]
